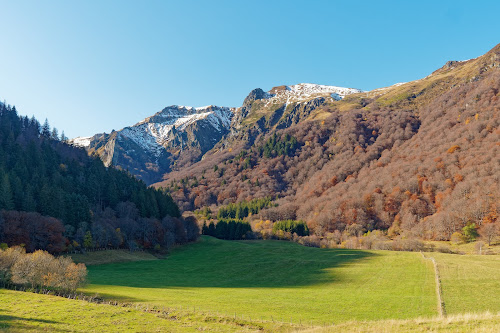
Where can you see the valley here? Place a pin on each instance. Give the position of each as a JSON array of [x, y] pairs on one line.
[[304, 208]]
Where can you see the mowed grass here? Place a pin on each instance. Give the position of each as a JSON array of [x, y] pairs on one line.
[[470, 283], [275, 280]]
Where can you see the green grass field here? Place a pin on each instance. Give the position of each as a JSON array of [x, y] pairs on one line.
[[470, 283], [24, 311], [267, 285], [275, 280], [21, 311], [111, 256]]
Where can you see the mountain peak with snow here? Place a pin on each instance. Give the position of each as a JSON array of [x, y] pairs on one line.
[[179, 135]]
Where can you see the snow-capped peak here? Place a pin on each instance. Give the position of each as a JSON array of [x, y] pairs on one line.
[[308, 89], [153, 132]]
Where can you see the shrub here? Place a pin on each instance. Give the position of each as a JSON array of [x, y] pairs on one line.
[[456, 238], [408, 245], [470, 232], [40, 269], [311, 241]]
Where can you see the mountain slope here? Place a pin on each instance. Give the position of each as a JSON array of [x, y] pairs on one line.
[[418, 159]]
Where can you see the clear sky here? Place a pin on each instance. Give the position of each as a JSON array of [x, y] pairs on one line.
[[93, 66]]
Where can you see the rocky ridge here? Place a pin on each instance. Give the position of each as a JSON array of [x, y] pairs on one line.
[[178, 136]]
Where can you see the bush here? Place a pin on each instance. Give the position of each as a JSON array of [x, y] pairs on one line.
[[40, 269], [311, 241], [456, 238], [470, 232], [444, 249]]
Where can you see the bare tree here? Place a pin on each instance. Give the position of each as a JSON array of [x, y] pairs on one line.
[[489, 232]]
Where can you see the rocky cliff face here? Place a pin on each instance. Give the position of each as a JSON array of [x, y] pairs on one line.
[[179, 136], [173, 137]]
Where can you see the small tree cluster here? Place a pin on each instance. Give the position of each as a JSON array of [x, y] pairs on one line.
[[242, 209], [292, 226], [230, 229], [40, 269], [276, 146]]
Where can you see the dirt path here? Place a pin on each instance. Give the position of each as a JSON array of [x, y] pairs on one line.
[[439, 292]]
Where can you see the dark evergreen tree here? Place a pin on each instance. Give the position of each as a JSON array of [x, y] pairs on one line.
[[46, 129]]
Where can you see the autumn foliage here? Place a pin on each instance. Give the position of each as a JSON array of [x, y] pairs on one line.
[[421, 161], [40, 269]]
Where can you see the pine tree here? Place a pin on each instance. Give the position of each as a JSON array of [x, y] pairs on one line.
[[88, 242], [6, 200], [63, 137], [46, 129], [55, 134]]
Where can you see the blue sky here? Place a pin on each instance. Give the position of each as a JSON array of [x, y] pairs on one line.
[[93, 66]]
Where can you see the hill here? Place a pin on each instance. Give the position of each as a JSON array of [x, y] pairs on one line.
[[179, 136], [170, 139]]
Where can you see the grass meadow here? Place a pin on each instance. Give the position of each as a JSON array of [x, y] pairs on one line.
[[272, 286], [275, 280], [470, 283]]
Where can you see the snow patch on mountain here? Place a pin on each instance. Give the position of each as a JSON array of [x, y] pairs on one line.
[[81, 141], [306, 91], [154, 132]]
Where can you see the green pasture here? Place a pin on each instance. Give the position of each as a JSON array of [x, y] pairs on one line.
[[275, 280]]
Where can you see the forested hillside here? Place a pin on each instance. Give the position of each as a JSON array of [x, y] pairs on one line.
[[55, 197], [420, 159]]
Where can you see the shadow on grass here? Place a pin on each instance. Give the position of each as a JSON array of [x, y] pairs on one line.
[[19, 323], [214, 263]]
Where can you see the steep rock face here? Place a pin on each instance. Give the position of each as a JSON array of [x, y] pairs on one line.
[[281, 107], [170, 139]]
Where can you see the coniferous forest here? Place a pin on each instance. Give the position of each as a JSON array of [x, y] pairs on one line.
[[54, 197]]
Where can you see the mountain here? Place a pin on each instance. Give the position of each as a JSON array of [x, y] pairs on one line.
[[417, 159], [173, 137], [178, 136]]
